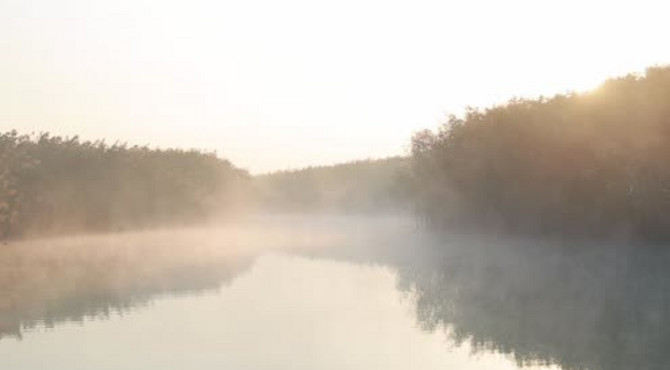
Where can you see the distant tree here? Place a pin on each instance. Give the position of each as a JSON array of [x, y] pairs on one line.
[[359, 186]]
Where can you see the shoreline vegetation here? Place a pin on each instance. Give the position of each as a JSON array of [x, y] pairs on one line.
[[587, 165], [55, 185], [579, 165]]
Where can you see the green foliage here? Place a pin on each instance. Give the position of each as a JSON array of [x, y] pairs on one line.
[[580, 164], [53, 184], [360, 186]]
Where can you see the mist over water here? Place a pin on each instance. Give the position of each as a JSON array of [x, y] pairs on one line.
[[331, 291], [391, 234]]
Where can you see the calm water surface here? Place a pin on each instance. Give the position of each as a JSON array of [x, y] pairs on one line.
[[331, 294], [284, 312]]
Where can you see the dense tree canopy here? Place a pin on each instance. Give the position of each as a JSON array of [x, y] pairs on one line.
[[52, 184], [591, 164], [360, 186], [588, 164]]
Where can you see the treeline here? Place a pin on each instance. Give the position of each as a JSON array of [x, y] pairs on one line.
[[51, 184], [592, 164], [357, 187]]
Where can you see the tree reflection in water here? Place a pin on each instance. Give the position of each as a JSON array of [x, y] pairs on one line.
[[49, 281], [576, 305]]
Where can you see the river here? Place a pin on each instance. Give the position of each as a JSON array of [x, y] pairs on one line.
[[330, 293]]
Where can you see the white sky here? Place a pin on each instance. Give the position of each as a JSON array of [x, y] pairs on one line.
[[284, 84]]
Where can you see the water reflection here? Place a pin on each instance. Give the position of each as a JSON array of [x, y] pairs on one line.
[[47, 282], [50, 281], [580, 306], [380, 295], [285, 312]]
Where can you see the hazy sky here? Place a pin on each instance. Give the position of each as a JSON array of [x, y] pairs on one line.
[[283, 84]]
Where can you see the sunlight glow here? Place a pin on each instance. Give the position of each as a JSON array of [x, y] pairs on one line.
[[273, 85]]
